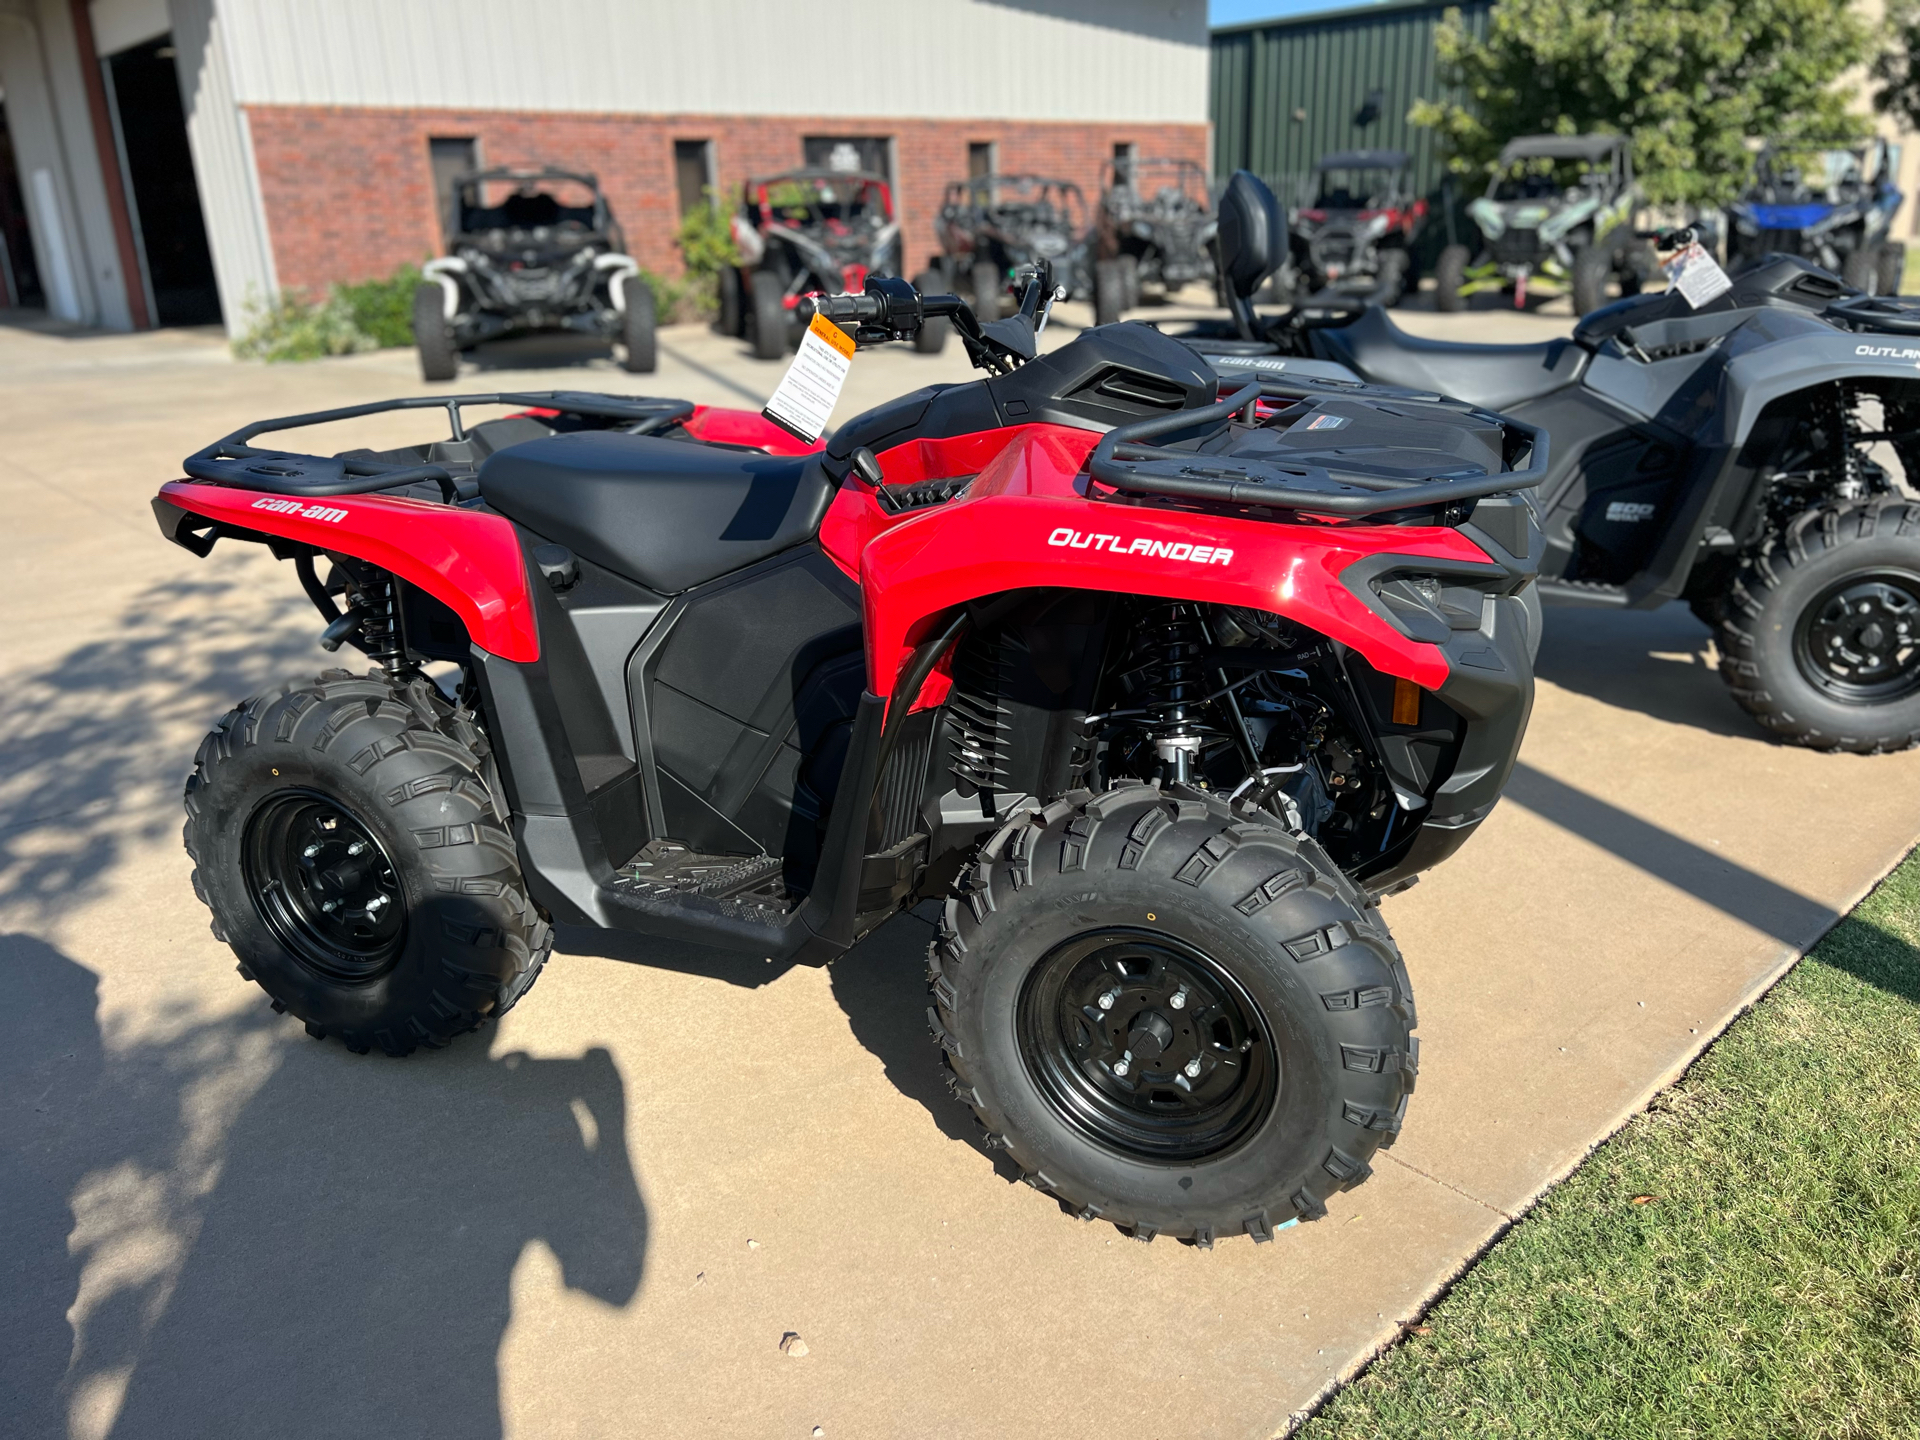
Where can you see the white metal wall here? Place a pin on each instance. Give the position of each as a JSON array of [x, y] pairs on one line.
[[1095, 60]]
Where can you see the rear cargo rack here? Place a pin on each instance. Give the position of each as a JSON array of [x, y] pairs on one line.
[[1894, 314], [234, 461], [1120, 460]]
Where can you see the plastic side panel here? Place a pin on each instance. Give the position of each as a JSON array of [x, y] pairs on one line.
[[468, 560], [745, 427], [1024, 523], [855, 517]]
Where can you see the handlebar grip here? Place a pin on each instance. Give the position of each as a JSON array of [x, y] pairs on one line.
[[846, 311]]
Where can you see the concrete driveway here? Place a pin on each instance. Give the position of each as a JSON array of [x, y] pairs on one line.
[[602, 1217]]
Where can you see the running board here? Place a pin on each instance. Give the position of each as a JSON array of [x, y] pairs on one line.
[[1583, 592]]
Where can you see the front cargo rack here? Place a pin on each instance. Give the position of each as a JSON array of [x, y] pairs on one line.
[[1892, 314], [235, 461], [1123, 462]]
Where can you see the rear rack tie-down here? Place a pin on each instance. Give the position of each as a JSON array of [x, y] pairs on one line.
[[1120, 460], [234, 461]]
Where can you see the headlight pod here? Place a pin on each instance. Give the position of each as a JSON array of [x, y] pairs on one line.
[[1431, 607]]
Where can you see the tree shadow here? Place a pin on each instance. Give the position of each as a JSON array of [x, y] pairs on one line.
[[214, 1231], [95, 744], [1654, 662]]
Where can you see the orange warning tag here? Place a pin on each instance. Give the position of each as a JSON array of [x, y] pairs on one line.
[[804, 400]]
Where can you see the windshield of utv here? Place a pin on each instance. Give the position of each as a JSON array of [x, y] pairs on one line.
[[1364, 189], [1547, 177], [1789, 176], [825, 203], [549, 207]]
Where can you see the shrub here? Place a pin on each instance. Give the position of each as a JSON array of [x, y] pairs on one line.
[[369, 315], [706, 248]]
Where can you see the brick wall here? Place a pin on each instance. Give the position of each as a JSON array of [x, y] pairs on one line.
[[349, 193]]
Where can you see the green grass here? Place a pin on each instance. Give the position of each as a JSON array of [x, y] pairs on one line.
[[1771, 1286]]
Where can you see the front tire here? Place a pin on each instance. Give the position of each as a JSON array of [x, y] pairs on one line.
[[1592, 268], [433, 335], [637, 327], [1449, 274], [931, 337], [348, 838], [767, 316], [989, 284], [1109, 292], [1173, 1015], [729, 320], [1820, 637], [1390, 281], [1861, 268], [1893, 267]]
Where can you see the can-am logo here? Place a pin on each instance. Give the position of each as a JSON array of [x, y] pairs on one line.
[[1886, 352], [1631, 511], [1153, 549], [304, 512]]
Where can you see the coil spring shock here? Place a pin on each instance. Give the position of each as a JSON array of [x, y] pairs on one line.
[[372, 620], [1854, 482], [1173, 644]]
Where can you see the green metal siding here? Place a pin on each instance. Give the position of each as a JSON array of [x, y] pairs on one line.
[[1326, 65]]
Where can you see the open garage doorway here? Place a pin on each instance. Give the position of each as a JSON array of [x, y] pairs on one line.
[[19, 278], [166, 200]]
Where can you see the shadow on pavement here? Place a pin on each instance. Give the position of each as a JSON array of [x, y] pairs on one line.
[[95, 745], [1746, 895], [256, 1238], [1654, 662], [545, 350]]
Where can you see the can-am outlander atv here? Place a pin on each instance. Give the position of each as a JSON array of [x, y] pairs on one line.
[[1156, 688], [1819, 203], [807, 232], [994, 225], [1557, 217], [1356, 234], [530, 249], [1153, 227], [1755, 457]]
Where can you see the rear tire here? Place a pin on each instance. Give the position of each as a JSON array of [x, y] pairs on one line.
[[931, 337], [1109, 292], [433, 335], [1861, 268], [767, 316], [637, 327], [1592, 268], [1287, 1066], [1797, 648], [1390, 281], [1893, 267], [729, 320], [1129, 266], [989, 284], [1449, 274], [282, 791]]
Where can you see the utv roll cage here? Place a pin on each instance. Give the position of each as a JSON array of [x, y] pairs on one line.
[[1517, 175], [528, 206], [1393, 163], [816, 203]]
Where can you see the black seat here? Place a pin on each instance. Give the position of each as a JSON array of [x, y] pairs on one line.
[[667, 513], [1491, 375]]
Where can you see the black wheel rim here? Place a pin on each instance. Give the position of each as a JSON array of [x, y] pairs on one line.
[[1860, 641], [1176, 1065], [324, 885]]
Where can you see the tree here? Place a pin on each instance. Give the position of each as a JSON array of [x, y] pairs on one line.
[[1687, 80], [1896, 67]]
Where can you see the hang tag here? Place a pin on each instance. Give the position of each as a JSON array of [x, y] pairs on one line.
[[1697, 276], [810, 389]]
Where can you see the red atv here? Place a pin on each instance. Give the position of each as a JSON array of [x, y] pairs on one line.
[[798, 234], [1153, 690]]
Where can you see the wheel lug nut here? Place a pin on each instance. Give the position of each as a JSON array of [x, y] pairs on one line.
[[357, 847], [1105, 1002], [310, 851], [1192, 1068], [329, 906], [1179, 1000], [1123, 1064], [375, 903]]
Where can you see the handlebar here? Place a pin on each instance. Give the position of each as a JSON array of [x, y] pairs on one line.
[[891, 309]]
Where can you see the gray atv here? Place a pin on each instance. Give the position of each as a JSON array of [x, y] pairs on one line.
[[1556, 219], [1757, 457]]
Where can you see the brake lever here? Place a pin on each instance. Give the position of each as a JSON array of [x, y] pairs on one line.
[[1046, 310]]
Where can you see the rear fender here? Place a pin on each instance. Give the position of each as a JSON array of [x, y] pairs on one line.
[[1027, 523], [469, 561]]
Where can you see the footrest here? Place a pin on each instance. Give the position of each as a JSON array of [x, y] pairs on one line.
[[666, 867]]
